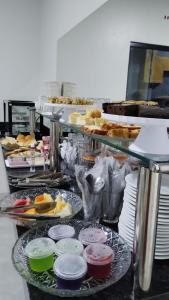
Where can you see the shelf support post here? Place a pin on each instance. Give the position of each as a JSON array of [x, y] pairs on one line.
[[146, 224], [32, 121], [54, 144]]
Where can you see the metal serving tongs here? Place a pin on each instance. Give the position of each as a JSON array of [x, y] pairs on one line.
[[40, 208]]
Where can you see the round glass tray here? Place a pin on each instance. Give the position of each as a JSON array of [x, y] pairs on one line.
[[69, 197], [47, 282]]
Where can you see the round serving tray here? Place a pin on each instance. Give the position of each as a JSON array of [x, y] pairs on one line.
[[46, 281], [69, 197]]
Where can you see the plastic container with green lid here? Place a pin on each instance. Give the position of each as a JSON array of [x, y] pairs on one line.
[[69, 245], [40, 254]]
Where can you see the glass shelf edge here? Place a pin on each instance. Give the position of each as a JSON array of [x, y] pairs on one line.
[[145, 159]]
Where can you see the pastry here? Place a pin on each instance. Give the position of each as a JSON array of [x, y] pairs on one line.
[[73, 117], [94, 130], [133, 133], [70, 101], [94, 113]]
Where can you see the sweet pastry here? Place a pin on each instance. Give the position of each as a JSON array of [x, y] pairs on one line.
[[73, 117], [9, 143], [70, 101], [94, 130], [26, 140], [89, 157], [123, 132], [133, 133], [121, 109], [94, 113]]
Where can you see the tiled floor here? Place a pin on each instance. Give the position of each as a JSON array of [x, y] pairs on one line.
[[12, 286]]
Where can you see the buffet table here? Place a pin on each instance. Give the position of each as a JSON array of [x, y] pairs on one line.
[[122, 290]]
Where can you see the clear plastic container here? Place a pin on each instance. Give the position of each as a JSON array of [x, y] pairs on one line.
[[59, 232], [99, 258], [40, 254], [92, 235], [70, 270], [69, 245]]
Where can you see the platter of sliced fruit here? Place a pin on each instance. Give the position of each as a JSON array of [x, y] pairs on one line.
[[41, 203]]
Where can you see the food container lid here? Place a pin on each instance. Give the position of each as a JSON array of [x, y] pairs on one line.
[[98, 254], [92, 235], [39, 248], [70, 266], [69, 245], [59, 232]]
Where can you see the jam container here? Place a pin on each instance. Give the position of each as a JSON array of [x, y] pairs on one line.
[[59, 232], [99, 258], [92, 235], [70, 271], [69, 245], [40, 254]]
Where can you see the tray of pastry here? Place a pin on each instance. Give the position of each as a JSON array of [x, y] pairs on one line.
[[119, 130], [11, 143]]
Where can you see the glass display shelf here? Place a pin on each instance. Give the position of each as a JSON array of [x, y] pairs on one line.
[[121, 144]]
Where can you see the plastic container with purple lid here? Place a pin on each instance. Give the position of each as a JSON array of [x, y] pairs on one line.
[[99, 258], [70, 271], [92, 235], [61, 231], [69, 245]]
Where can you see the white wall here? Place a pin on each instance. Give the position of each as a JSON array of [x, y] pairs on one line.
[[58, 17], [95, 53], [19, 50]]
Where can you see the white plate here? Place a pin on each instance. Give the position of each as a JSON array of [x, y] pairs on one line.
[[126, 230], [162, 221], [158, 254], [131, 180]]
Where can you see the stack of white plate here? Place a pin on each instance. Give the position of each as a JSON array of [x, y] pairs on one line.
[[69, 89], [52, 88], [127, 217]]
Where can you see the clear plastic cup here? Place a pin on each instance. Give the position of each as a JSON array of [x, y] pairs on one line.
[[99, 258], [60, 231], [69, 245], [70, 270], [92, 235], [40, 254]]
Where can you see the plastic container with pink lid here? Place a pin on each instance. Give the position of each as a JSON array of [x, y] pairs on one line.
[[92, 235], [99, 258]]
